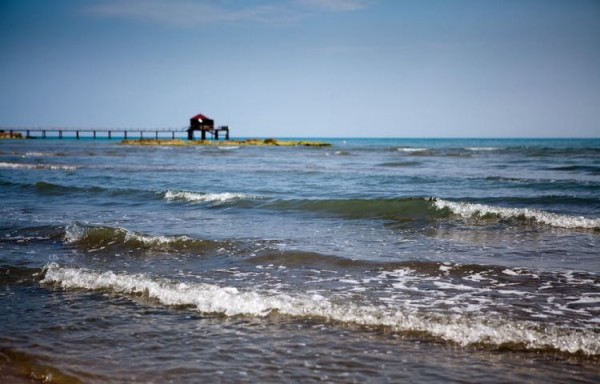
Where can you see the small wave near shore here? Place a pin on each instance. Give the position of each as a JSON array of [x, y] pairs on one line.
[[462, 329]]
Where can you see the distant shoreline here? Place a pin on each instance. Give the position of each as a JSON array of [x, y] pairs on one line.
[[228, 143]]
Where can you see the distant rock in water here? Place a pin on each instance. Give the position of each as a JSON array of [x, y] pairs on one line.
[[10, 135], [249, 142]]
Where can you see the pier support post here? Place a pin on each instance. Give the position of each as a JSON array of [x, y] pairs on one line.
[[203, 135], [77, 134], [217, 134], [156, 135], [94, 134], [109, 135], [60, 134], [173, 135], [43, 134], [125, 134]]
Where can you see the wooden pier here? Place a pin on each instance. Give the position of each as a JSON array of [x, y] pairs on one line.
[[197, 123], [117, 133]]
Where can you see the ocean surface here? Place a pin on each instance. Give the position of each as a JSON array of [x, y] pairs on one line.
[[374, 260]]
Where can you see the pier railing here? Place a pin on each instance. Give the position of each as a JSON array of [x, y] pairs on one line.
[[108, 133]]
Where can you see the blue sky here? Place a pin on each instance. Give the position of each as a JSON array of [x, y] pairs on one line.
[[298, 68]]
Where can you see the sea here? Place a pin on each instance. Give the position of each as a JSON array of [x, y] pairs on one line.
[[370, 261]]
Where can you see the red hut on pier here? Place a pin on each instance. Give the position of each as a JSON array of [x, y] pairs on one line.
[[205, 124]]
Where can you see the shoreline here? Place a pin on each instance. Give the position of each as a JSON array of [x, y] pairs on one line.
[[228, 143]]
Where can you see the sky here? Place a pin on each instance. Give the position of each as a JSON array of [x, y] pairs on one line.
[[305, 68]]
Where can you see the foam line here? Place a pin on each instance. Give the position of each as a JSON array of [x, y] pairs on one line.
[[468, 210], [230, 301]]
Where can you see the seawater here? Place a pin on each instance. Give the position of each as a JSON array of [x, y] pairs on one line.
[[374, 260]]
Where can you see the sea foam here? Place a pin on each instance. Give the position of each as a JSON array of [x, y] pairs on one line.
[[53, 167], [230, 301], [195, 197], [468, 210]]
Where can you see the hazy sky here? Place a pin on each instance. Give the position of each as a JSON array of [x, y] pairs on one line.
[[392, 68]]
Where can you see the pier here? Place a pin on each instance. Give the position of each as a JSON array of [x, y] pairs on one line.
[[80, 133], [197, 123]]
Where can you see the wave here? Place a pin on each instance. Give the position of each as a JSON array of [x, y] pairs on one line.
[[53, 167], [215, 198], [44, 154], [99, 238], [462, 329], [315, 260], [481, 149], [484, 149], [469, 210], [30, 234], [400, 164], [58, 189], [305, 259], [591, 169], [398, 210], [429, 210], [54, 189], [411, 149]]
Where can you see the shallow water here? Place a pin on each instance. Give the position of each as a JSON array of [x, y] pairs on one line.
[[373, 260]]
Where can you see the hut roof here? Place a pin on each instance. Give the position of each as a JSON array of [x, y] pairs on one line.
[[200, 117]]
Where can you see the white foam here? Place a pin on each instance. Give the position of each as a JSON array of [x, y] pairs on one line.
[[53, 167], [152, 240], [74, 233], [586, 299], [447, 286], [39, 154], [468, 210], [463, 329], [411, 149], [476, 277], [482, 148], [195, 197]]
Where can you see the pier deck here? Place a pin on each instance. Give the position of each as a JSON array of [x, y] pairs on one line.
[[79, 133]]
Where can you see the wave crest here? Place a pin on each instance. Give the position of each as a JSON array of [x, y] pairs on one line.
[[469, 210], [215, 198], [230, 301], [98, 238], [53, 167]]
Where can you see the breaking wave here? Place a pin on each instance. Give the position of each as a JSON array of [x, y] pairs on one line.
[[426, 210], [215, 198], [468, 210], [99, 238], [53, 167], [461, 328]]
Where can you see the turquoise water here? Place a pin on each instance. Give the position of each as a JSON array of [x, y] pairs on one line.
[[373, 260]]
